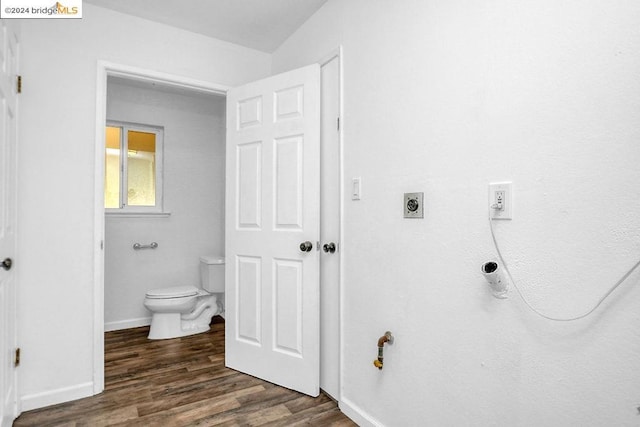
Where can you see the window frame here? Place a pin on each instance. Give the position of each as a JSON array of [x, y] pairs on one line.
[[125, 208]]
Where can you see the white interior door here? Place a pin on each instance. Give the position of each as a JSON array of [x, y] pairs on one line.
[[8, 134], [272, 207]]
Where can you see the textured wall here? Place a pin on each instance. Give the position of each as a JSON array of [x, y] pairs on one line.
[[445, 97], [56, 176]]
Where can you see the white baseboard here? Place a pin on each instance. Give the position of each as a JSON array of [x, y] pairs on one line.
[[53, 397], [126, 324], [357, 415]]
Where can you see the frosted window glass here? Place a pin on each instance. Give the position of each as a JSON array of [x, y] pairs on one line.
[[112, 168], [141, 170]]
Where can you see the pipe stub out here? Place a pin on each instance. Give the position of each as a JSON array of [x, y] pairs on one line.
[[493, 275], [489, 267]]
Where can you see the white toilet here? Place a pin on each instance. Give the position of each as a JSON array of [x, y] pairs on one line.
[[186, 310]]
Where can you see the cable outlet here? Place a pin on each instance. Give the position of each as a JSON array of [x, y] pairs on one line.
[[500, 200]]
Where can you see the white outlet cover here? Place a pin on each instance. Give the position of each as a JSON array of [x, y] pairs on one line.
[[507, 211]]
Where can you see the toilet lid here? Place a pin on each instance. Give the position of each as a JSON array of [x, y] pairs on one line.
[[173, 292]]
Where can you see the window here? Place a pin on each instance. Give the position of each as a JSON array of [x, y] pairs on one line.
[[133, 183]]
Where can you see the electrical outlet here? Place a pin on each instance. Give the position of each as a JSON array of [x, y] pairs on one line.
[[501, 200], [413, 205]]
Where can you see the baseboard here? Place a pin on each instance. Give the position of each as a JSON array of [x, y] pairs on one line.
[[357, 415], [127, 324], [53, 397]]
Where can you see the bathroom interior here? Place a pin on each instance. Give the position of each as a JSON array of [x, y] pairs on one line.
[[189, 226]]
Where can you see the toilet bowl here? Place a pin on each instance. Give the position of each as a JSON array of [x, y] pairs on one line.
[[179, 311]]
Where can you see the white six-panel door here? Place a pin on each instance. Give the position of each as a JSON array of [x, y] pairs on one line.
[[8, 88], [272, 207]]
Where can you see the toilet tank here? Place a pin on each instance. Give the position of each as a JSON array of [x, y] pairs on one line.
[[212, 273]]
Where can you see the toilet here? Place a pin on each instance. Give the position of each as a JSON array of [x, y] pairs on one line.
[[179, 311]]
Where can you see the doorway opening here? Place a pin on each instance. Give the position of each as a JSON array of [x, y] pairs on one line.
[[134, 84], [164, 193]]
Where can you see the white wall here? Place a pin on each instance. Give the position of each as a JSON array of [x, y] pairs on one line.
[[444, 97], [56, 176], [194, 171]]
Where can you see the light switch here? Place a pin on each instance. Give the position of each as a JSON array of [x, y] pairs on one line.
[[355, 188]]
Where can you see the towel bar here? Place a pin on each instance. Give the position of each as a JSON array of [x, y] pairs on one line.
[[138, 246]]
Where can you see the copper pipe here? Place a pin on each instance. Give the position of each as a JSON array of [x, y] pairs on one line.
[[383, 339], [386, 338]]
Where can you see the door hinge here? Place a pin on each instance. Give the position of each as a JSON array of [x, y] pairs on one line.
[[19, 84], [338, 123], [16, 361]]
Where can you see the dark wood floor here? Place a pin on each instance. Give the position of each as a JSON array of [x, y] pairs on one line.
[[183, 382]]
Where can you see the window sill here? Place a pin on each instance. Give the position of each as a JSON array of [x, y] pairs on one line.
[[137, 214]]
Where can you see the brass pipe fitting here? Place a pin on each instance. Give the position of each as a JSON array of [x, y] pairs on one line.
[[386, 338]]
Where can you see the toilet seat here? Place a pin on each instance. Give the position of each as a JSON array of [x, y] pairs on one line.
[[172, 292]]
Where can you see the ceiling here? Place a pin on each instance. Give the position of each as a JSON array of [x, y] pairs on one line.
[[257, 24]]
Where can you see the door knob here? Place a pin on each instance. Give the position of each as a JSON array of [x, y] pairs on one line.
[[306, 246], [6, 264], [329, 247]]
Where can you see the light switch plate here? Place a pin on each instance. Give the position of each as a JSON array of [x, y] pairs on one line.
[[356, 188], [413, 205]]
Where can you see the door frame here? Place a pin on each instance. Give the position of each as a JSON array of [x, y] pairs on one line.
[[12, 32], [337, 53], [106, 69]]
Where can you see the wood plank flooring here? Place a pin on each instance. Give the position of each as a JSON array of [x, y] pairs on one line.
[[183, 382]]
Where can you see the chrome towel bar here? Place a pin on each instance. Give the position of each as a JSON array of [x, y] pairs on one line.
[[138, 246]]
